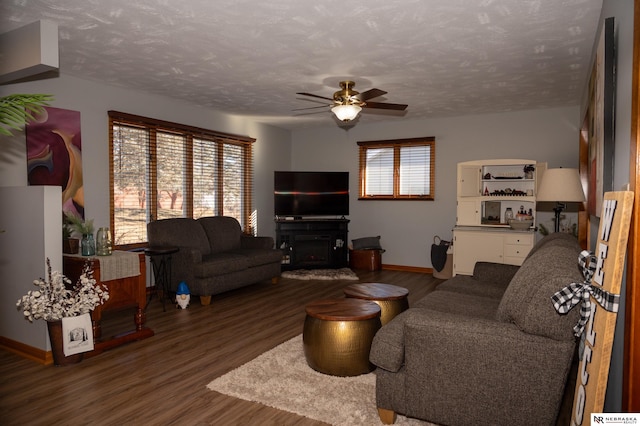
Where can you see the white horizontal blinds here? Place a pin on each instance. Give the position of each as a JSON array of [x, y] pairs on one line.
[[171, 174], [415, 166], [205, 178], [130, 183], [397, 169], [379, 171], [232, 180]]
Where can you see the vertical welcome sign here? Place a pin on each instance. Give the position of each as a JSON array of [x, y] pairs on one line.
[[593, 371]]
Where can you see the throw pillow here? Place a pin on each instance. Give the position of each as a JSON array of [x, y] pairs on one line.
[[367, 243]]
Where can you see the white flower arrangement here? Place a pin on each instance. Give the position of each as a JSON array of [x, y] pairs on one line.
[[56, 299]]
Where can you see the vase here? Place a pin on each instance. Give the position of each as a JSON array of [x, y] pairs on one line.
[[57, 342], [103, 242], [88, 245]]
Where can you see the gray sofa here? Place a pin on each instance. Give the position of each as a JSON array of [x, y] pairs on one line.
[[214, 255], [483, 349]]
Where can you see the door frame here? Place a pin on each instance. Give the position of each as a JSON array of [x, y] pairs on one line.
[[631, 366]]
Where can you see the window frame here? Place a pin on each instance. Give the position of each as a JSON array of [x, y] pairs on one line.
[[153, 126], [397, 145]]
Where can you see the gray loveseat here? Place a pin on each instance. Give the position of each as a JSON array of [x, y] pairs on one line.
[[214, 255], [483, 349]]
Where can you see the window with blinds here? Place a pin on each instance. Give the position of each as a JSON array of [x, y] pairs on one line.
[[161, 170], [400, 169]]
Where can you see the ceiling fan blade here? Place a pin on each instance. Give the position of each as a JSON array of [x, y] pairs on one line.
[[315, 107], [300, 113], [384, 105], [370, 94], [315, 96]]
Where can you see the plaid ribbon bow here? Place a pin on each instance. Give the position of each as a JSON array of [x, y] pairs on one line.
[[565, 299]]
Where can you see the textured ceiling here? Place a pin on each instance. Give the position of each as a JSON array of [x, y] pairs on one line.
[[250, 57]]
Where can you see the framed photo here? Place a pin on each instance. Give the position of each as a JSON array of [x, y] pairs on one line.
[[77, 334]]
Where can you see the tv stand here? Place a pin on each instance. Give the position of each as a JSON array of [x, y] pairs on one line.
[[312, 243]]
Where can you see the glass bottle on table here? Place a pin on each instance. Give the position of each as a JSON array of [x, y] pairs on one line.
[[88, 245], [508, 214]]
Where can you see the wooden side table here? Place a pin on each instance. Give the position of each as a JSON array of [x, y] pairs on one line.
[[338, 334], [391, 298], [125, 292]]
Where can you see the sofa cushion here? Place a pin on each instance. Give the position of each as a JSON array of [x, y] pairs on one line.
[[366, 243], [223, 232], [469, 285], [458, 303], [220, 264], [178, 232], [257, 257], [527, 301]]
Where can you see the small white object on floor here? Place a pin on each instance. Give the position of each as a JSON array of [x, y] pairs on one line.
[[183, 295]]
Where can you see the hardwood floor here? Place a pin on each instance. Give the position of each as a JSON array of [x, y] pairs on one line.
[[162, 380]]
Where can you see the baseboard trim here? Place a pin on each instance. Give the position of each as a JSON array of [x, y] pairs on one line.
[[407, 268], [26, 351]]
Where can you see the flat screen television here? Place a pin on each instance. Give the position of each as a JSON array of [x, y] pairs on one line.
[[300, 194]]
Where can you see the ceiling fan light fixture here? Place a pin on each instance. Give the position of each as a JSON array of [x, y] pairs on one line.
[[346, 112]]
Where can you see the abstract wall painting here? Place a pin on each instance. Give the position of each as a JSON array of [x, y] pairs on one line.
[[54, 155]]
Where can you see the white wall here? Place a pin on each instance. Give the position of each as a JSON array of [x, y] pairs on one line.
[[93, 100], [407, 228]]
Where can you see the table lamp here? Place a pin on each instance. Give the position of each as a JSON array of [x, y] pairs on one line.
[[560, 186]]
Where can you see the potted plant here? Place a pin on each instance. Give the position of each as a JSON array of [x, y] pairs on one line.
[[84, 228], [19, 109], [70, 245], [56, 298]]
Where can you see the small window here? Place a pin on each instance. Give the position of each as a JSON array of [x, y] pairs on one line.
[[400, 169]]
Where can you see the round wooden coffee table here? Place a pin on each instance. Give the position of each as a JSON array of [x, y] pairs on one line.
[[391, 298], [337, 335]]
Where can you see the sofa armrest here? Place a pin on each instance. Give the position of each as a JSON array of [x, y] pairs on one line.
[[248, 241], [387, 348], [452, 359], [494, 272]]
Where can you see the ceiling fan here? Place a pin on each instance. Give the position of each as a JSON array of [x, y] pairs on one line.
[[347, 103]]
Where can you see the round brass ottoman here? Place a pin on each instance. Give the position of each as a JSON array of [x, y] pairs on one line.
[[391, 298], [337, 335]]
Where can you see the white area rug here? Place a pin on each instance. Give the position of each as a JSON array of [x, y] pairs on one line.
[[321, 274], [281, 378]]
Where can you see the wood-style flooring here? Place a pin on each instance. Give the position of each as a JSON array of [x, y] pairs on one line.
[[162, 380]]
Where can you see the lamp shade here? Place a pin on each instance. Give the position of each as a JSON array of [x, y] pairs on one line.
[[561, 185], [346, 112]]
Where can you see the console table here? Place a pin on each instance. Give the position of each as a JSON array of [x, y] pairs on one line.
[[124, 275]]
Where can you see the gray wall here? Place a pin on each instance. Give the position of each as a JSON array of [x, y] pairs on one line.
[[622, 11], [31, 233], [407, 228], [93, 100]]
